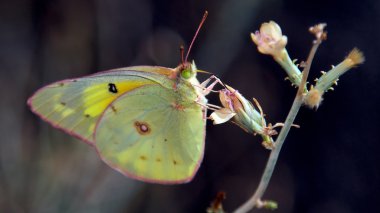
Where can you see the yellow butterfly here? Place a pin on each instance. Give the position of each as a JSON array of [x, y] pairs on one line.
[[147, 122]]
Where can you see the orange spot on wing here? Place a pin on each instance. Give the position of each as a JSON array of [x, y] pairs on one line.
[[178, 106], [142, 128]]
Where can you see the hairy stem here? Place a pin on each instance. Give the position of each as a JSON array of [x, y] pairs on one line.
[[297, 103]]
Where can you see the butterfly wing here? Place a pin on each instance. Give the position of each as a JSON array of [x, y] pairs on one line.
[[75, 105], [153, 134]]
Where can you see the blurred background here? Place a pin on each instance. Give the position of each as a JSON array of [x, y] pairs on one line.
[[329, 165]]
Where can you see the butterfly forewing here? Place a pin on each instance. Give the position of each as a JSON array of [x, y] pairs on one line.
[[75, 105]]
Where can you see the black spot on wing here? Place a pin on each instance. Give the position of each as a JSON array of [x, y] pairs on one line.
[[112, 88]]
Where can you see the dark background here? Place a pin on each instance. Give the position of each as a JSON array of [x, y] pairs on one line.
[[329, 165]]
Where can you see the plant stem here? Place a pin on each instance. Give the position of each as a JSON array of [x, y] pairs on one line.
[[297, 103]]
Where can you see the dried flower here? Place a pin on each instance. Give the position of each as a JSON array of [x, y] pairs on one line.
[[355, 57], [313, 98], [216, 205], [319, 31]]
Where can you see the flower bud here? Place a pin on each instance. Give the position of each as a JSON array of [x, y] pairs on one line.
[[269, 39]]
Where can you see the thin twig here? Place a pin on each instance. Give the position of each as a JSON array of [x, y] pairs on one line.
[[297, 103]]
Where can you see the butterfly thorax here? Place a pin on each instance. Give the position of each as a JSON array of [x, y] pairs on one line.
[[187, 83]]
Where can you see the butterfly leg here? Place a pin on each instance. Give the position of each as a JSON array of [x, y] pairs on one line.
[[208, 89]]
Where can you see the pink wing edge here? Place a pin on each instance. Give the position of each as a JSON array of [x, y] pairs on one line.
[[30, 99], [136, 177]]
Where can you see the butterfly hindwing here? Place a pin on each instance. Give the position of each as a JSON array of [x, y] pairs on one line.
[[154, 134]]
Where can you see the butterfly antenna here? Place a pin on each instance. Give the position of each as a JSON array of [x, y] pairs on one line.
[[182, 52], [196, 33]]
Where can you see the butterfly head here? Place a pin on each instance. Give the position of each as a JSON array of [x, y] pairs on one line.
[[187, 71]]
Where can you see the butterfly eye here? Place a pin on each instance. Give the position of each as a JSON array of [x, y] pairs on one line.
[[186, 74]]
